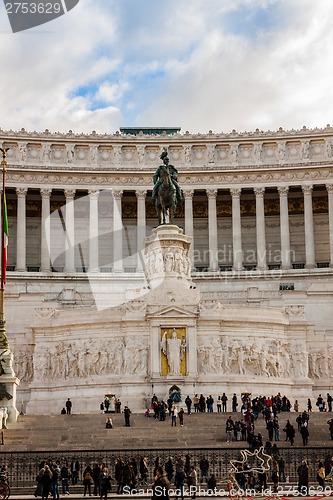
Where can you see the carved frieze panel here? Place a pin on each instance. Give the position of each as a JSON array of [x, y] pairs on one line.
[[129, 154], [269, 152], [152, 154], [260, 356], [199, 154], [317, 148], [57, 153], [244, 153], [34, 152], [77, 359], [81, 154], [293, 150], [175, 154], [105, 154]]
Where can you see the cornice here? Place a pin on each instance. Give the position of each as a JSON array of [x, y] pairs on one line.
[[71, 136], [216, 180]]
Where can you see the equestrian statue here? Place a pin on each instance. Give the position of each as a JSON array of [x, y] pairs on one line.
[[166, 191]]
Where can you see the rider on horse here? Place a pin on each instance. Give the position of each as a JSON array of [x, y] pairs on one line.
[[157, 177]]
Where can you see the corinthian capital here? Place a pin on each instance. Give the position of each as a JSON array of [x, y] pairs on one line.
[[259, 191], [307, 189], [211, 193], [235, 192], [21, 192]]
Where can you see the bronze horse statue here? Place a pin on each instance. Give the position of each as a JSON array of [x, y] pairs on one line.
[[166, 200]]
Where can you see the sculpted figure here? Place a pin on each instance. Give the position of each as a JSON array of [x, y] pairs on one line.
[[169, 258], [174, 350], [166, 192]]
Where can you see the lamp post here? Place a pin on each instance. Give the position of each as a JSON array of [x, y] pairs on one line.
[[3, 337]]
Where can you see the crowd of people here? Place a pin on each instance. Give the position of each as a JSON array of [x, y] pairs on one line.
[[182, 474]]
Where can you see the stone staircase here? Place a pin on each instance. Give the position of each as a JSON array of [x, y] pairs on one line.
[[88, 432]]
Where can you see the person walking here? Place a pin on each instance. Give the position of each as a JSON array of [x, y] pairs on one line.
[[303, 478], [55, 481], [305, 434], [46, 482], [161, 485]]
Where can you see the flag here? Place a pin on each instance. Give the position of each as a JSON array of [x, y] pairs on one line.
[[5, 238]]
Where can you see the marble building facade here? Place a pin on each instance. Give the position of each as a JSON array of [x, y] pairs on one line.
[[254, 304]]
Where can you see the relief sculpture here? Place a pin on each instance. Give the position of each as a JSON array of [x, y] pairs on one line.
[[72, 360]]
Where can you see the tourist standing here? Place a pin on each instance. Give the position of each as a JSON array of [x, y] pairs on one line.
[[204, 467], [169, 468], [174, 413], [234, 403], [87, 480], [188, 402], [321, 474], [161, 485], [196, 403], [127, 413], [181, 417], [229, 427], [46, 482], [303, 477], [64, 476], [224, 400], [69, 406], [75, 468], [305, 434]]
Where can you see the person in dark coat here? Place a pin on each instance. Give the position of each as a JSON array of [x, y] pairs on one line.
[[305, 434], [46, 482], [161, 485], [69, 406], [127, 413], [303, 478]]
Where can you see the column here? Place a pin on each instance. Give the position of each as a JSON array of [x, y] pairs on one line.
[[284, 227], [45, 231], [69, 231], [310, 259], [189, 227], [93, 231], [117, 232], [141, 227], [212, 230], [260, 228], [329, 188], [236, 230], [21, 230]]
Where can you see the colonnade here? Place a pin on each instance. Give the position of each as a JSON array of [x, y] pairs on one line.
[[188, 227]]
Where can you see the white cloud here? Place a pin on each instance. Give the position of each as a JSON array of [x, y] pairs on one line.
[[203, 65]]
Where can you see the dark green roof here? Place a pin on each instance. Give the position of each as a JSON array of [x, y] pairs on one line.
[[149, 130]]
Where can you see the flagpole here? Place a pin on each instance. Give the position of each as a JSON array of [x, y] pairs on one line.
[[3, 337]]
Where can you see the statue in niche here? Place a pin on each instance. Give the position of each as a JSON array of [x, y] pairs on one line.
[[169, 259], [174, 349]]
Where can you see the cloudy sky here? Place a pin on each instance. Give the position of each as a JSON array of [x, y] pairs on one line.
[[199, 64]]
